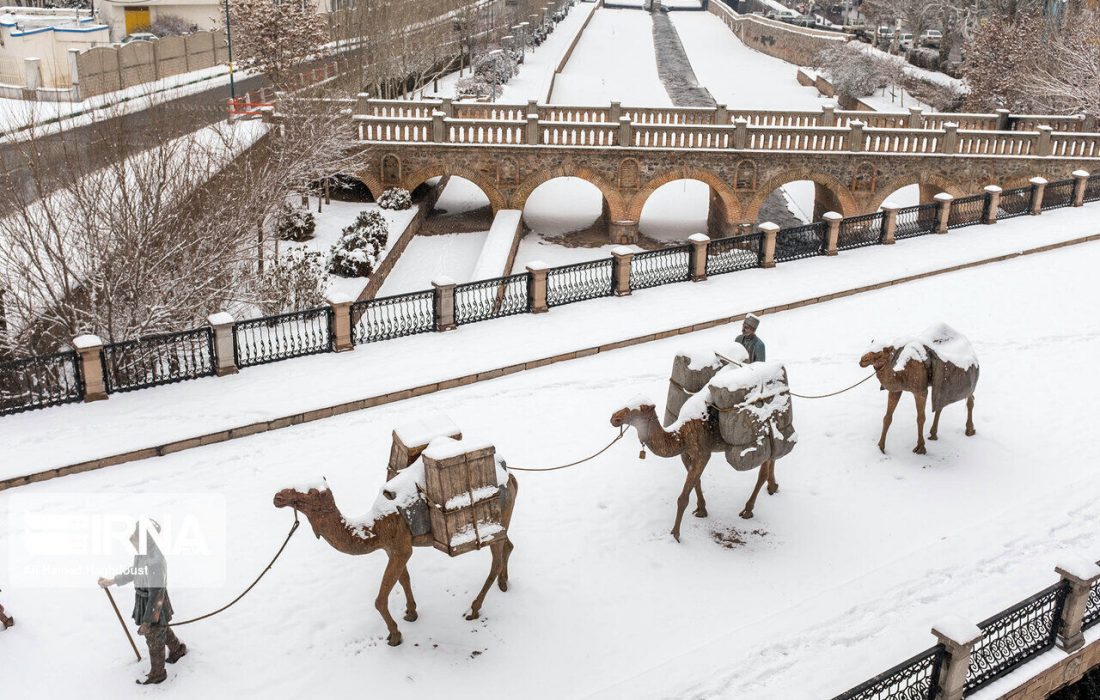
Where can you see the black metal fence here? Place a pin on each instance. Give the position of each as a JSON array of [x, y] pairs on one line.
[[158, 359], [657, 267], [735, 253], [860, 231], [1058, 194], [1016, 636], [916, 220], [392, 317], [799, 242], [1015, 202], [913, 679], [967, 211], [40, 381], [271, 338], [493, 298], [1092, 189], [1092, 606], [577, 282]]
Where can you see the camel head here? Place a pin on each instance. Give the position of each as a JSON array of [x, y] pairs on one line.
[[877, 357], [639, 408], [315, 503]]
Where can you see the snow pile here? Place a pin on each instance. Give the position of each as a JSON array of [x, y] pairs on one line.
[[947, 343], [306, 486], [636, 403]]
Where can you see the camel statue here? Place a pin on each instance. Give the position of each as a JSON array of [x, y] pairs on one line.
[[391, 533], [694, 442], [5, 620], [915, 366]]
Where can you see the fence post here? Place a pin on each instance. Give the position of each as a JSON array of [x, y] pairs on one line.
[[620, 270], [1079, 580], [626, 132], [992, 204], [740, 132], [1038, 187], [536, 286], [889, 223], [958, 641], [832, 237], [439, 131], [443, 304], [943, 212], [447, 107], [1002, 119], [1080, 184], [769, 230], [699, 244], [950, 137], [341, 321], [225, 357], [721, 115], [90, 349], [1042, 145], [855, 136], [916, 118], [532, 135], [828, 115]]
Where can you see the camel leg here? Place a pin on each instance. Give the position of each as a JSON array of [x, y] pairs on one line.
[[933, 433], [682, 502], [773, 485], [747, 512], [497, 548], [891, 404], [921, 399], [700, 502], [410, 602], [970, 416], [502, 580], [390, 578]]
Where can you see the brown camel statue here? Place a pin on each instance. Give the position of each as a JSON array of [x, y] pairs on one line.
[[5, 621], [391, 534], [915, 376], [694, 442]]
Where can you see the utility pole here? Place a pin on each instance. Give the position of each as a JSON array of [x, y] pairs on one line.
[[229, 46]]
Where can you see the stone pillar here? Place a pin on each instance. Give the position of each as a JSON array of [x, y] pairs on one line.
[[532, 106], [828, 115], [536, 286], [943, 212], [532, 136], [626, 132], [447, 107], [770, 231], [624, 231], [341, 321], [443, 304], [1038, 187], [615, 113], [1088, 124], [832, 237], [699, 243], [439, 129], [1002, 119], [1080, 183], [992, 204], [1042, 144], [620, 270], [1080, 579], [225, 355], [889, 223], [721, 115], [90, 350], [950, 138], [958, 639], [916, 118], [855, 136], [740, 132]]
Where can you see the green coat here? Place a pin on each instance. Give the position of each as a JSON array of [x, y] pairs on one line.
[[754, 346]]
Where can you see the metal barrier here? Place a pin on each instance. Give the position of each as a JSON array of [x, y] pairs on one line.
[[735, 253], [860, 231], [577, 282], [967, 211], [392, 317], [39, 382], [657, 267], [273, 338], [1015, 202], [801, 242], [1058, 194], [916, 220], [1092, 607], [492, 298], [913, 679], [158, 359]]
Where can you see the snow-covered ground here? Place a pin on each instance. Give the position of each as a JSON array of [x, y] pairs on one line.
[[840, 575], [427, 258]]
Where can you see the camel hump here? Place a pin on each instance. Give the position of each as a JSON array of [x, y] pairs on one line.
[[951, 383]]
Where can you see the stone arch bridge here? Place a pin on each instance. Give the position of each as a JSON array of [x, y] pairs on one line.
[[855, 159]]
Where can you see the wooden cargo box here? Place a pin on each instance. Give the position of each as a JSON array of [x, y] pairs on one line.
[[463, 494], [411, 439]]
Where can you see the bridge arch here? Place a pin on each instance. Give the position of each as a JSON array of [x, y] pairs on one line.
[[371, 182], [496, 199], [831, 193], [930, 184], [613, 200], [724, 213]]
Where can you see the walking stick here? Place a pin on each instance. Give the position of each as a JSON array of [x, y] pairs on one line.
[[123, 623]]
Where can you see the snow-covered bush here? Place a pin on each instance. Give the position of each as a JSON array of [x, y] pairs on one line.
[[294, 282], [360, 245], [852, 71], [397, 198], [491, 71], [293, 224], [474, 87]]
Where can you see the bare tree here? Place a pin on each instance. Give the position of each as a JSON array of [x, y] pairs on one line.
[[1067, 80], [275, 36]]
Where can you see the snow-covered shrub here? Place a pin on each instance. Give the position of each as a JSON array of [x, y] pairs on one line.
[[474, 87], [294, 282], [852, 71], [360, 244], [293, 224], [924, 58], [496, 68], [397, 198]]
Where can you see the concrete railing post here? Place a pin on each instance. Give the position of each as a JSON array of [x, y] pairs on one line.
[[1042, 144], [1002, 119], [832, 235], [889, 223], [699, 244], [536, 286], [1038, 188], [943, 211], [620, 270], [950, 138], [1080, 579], [855, 136], [443, 304], [992, 204], [626, 132], [916, 118], [439, 128], [770, 230], [225, 355], [1080, 184], [533, 107], [624, 231], [828, 115], [447, 107], [740, 132], [958, 639], [341, 321], [531, 137], [90, 350], [615, 113], [1088, 124], [721, 115]]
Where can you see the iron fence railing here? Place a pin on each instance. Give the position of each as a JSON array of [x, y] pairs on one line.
[[1092, 606], [916, 220], [1015, 636], [493, 298], [577, 282], [38, 382], [1092, 189], [657, 267], [913, 679], [735, 253], [392, 317], [860, 231], [967, 211], [158, 359], [1015, 202], [273, 338], [799, 242], [1058, 194]]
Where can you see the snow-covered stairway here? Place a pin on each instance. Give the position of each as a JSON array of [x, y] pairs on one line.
[[499, 251]]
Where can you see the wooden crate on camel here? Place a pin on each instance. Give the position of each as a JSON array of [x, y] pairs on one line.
[[691, 370], [755, 417], [411, 439], [463, 492]]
